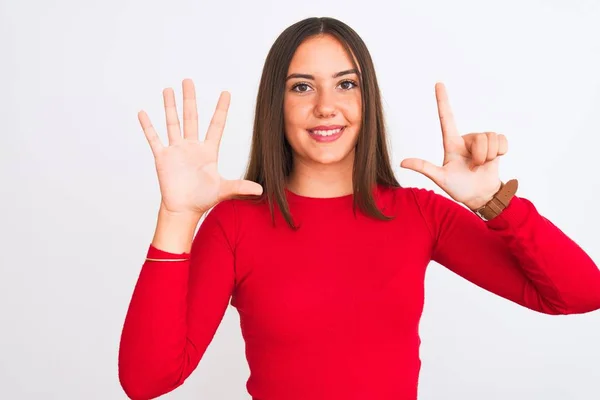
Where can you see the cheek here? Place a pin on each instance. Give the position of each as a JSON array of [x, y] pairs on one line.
[[355, 112], [352, 111], [297, 115], [294, 118]]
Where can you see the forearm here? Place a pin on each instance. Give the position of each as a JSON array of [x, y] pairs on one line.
[[518, 255], [562, 273], [174, 232], [154, 342], [153, 349], [176, 306]]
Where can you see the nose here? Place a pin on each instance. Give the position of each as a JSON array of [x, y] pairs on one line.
[[325, 105]]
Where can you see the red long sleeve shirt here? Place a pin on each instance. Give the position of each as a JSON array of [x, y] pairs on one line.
[[332, 311]]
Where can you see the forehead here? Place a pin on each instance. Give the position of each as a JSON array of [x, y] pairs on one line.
[[320, 55]]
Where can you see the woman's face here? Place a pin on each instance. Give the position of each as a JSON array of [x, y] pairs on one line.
[[322, 104]]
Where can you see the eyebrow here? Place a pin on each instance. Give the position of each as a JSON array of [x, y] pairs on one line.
[[336, 75]]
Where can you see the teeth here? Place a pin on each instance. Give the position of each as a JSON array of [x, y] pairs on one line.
[[327, 132]]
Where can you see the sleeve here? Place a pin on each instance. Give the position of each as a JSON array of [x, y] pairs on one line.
[[176, 308], [519, 255]]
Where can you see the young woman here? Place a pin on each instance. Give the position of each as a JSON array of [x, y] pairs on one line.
[[319, 248]]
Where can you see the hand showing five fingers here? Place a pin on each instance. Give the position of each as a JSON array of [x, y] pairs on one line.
[[187, 168], [469, 171]]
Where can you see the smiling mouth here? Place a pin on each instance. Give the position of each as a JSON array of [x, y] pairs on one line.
[[326, 132], [326, 135]]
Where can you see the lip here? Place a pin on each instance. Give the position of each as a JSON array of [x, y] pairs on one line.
[[326, 139], [326, 127]]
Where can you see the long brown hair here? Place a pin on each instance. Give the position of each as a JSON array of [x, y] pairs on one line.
[[271, 157]]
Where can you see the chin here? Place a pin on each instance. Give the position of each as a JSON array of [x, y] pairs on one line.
[[329, 157]]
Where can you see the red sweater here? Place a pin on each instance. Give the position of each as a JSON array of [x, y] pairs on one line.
[[332, 311]]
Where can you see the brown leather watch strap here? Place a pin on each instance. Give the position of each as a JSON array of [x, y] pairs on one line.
[[500, 201]]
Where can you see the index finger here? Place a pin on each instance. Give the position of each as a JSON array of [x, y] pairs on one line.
[[445, 111]]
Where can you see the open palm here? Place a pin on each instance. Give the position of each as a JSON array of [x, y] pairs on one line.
[[187, 169]]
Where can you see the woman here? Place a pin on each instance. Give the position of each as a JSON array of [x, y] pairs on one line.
[[319, 248]]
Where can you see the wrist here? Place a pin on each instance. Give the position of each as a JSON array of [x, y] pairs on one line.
[[484, 199], [163, 212], [175, 230], [499, 202]]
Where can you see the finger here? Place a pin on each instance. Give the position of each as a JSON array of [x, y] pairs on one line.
[[217, 122], [236, 187], [502, 145], [492, 147], [445, 114], [433, 172], [478, 147], [150, 133], [190, 110], [173, 130]]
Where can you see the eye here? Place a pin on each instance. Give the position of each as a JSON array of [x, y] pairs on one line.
[[348, 84], [301, 87]]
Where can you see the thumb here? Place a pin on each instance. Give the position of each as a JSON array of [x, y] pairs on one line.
[[426, 168], [239, 187]]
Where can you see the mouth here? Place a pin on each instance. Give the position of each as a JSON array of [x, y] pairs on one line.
[[326, 133]]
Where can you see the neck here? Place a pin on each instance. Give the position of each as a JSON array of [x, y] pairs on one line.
[[321, 180]]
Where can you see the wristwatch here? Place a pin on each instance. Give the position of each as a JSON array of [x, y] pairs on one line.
[[501, 200]]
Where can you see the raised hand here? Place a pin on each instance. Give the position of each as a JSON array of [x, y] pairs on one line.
[[469, 171], [187, 168]]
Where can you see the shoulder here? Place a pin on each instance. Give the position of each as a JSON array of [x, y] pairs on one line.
[[411, 197], [422, 205], [231, 214], [232, 208], [225, 221]]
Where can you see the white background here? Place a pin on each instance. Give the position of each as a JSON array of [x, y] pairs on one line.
[[79, 194]]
